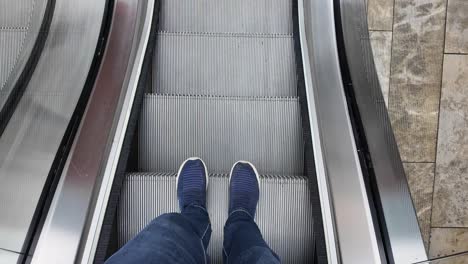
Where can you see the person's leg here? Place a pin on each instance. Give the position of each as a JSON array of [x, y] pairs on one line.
[[174, 237], [170, 238], [243, 242]]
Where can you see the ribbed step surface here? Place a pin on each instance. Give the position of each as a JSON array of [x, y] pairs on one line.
[[259, 16], [15, 15], [221, 130], [225, 64], [17, 34], [10, 48], [284, 215]]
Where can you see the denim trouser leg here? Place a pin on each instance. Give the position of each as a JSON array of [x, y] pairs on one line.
[[170, 238], [243, 242]]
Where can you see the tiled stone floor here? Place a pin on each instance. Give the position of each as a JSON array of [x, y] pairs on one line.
[[421, 55]]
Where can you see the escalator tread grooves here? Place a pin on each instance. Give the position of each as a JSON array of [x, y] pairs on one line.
[[318, 250], [150, 191], [106, 245]]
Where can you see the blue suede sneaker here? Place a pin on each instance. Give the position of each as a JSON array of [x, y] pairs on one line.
[[192, 182], [244, 190]]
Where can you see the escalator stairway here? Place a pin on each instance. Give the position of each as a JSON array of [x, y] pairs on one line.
[[224, 89]]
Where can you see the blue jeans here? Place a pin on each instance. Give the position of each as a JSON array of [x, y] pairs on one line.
[[184, 238]]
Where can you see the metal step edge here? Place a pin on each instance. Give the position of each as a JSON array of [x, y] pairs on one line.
[[223, 34], [224, 97]]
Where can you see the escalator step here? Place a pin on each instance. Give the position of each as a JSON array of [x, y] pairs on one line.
[[284, 215], [260, 16], [221, 130], [10, 49], [15, 15], [225, 65]]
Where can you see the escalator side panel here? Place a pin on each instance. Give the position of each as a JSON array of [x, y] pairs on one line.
[[81, 197], [32, 137]]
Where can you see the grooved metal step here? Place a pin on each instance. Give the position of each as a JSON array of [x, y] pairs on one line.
[[284, 214], [259, 16], [19, 20], [16, 14], [10, 48], [221, 130], [225, 64]]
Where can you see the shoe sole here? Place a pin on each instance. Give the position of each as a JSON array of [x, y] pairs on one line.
[[183, 164], [251, 165]]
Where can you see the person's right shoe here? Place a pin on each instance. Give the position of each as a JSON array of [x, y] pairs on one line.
[[192, 182], [244, 190]]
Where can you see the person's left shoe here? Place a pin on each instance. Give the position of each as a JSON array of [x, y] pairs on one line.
[[192, 182]]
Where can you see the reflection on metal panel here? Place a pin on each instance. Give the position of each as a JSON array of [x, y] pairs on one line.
[[349, 226], [31, 139], [402, 230]]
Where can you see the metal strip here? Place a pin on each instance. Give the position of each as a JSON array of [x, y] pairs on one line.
[[403, 237], [79, 203], [348, 223]]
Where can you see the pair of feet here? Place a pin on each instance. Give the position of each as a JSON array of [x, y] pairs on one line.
[[192, 185]]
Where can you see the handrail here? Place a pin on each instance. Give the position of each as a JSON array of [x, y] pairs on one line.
[[401, 234], [73, 223], [349, 226]]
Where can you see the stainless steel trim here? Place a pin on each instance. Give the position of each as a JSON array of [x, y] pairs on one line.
[[73, 224], [146, 10], [349, 227], [403, 234]]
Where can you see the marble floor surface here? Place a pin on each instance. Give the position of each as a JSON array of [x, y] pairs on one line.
[[421, 54]]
